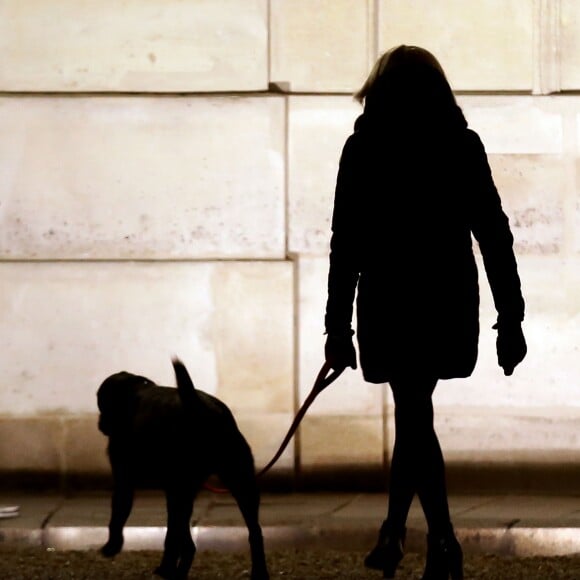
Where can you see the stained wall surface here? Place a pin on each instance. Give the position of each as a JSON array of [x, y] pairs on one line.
[[167, 173]]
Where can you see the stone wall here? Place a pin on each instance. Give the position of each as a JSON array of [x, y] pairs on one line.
[[166, 182]]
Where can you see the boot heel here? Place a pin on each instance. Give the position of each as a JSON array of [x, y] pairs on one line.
[[444, 558], [387, 554], [390, 569], [455, 564]]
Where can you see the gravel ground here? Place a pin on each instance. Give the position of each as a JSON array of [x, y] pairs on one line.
[[40, 564]]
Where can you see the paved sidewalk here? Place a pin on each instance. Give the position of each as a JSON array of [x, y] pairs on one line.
[[504, 525]]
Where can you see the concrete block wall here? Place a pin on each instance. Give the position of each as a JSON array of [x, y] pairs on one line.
[[167, 173]]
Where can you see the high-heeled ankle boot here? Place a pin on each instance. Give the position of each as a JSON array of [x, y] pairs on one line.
[[388, 552], [444, 558]]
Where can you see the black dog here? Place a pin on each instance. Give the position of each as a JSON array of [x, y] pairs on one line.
[[174, 439]]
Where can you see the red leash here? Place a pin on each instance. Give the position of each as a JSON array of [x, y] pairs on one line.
[[322, 381]]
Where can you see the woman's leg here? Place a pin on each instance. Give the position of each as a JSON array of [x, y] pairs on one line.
[[417, 465]]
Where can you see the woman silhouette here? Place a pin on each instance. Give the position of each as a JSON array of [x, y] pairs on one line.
[[413, 184]]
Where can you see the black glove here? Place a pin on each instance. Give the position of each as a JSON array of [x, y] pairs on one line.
[[339, 351], [510, 344]]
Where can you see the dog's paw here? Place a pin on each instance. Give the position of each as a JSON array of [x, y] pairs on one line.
[[111, 549]]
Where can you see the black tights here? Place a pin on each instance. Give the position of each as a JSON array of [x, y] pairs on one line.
[[417, 465]]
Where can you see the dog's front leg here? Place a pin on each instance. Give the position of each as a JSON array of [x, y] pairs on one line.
[[121, 505]]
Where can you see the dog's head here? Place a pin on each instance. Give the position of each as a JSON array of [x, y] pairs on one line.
[[117, 401]]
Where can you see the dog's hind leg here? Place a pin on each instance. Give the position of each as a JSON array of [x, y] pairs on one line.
[[179, 549], [121, 505], [243, 486]]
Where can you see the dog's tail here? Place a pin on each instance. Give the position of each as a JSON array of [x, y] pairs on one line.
[[185, 387]]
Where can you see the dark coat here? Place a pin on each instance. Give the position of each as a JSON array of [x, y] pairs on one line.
[[404, 212]]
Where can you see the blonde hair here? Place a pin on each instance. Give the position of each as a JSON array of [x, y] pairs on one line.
[[398, 56]]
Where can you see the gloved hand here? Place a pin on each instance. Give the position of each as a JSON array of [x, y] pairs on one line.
[[339, 351], [511, 345]]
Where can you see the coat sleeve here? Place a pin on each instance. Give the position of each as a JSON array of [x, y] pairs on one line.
[[344, 259], [490, 226]]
